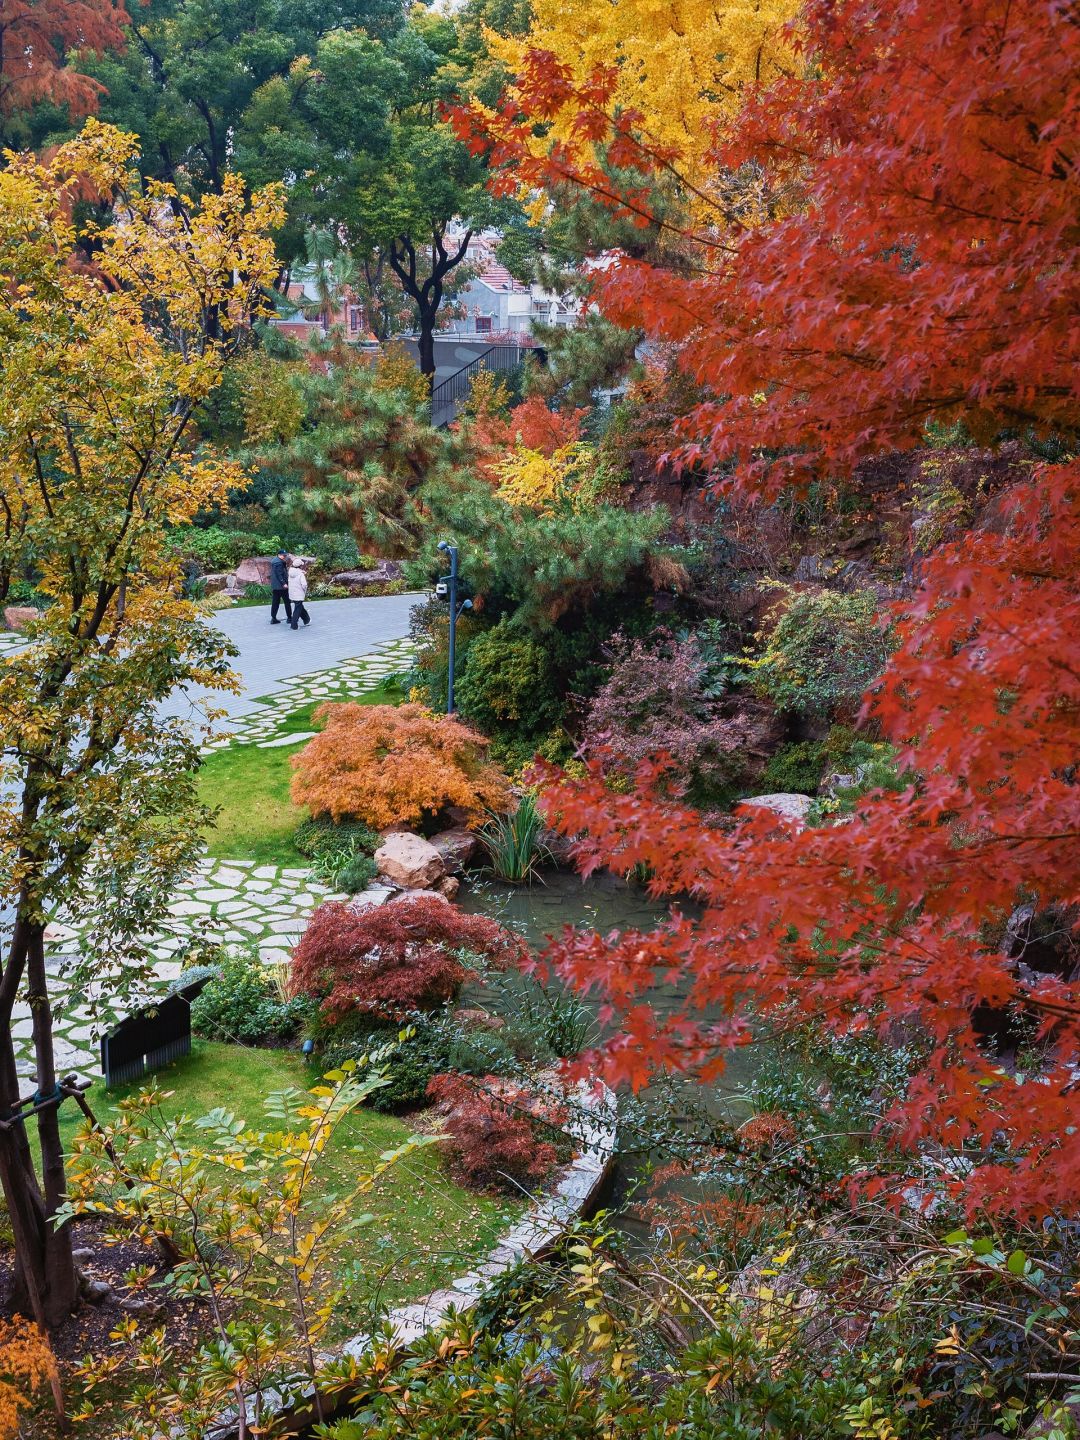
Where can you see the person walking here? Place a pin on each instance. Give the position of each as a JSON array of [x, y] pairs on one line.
[[298, 593], [279, 586]]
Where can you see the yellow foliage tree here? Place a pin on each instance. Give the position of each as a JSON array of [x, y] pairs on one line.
[[391, 765], [684, 64], [571, 476], [104, 366]]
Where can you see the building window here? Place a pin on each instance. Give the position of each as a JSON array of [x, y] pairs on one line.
[[483, 325]]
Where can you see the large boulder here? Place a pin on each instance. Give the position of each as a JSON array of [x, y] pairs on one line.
[[790, 806], [457, 847], [253, 571], [409, 861], [18, 617], [384, 572]]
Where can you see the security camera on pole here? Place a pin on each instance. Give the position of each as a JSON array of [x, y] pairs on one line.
[[447, 589]]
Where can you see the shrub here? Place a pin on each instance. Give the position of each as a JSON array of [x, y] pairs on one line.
[[493, 1131], [242, 1004], [314, 838], [341, 855], [390, 765], [508, 683], [660, 698], [394, 959], [796, 768], [217, 549], [822, 654], [409, 1059]]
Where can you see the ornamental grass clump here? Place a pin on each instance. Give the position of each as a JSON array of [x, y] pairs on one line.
[[391, 765]]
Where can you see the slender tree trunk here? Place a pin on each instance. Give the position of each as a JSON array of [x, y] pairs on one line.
[[46, 1283], [61, 1279], [26, 1208]]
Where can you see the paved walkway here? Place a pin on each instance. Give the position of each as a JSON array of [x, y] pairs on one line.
[[270, 656], [236, 902]]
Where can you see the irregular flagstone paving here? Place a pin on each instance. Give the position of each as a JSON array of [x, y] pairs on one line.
[[231, 902], [343, 682]]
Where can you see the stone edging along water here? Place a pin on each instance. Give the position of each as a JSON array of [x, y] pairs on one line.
[[593, 1125]]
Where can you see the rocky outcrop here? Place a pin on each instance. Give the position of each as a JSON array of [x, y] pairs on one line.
[[790, 806], [457, 847], [409, 861], [385, 572], [18, 617], [253, 571]]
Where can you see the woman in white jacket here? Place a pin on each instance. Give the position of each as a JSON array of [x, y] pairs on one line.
[[298, 593]]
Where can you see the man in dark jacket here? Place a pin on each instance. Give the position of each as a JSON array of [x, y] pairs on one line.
[[279, 585]]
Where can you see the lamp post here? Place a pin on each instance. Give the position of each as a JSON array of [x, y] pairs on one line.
[[455, 611]]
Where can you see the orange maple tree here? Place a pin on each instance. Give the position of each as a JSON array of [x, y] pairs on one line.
[[529, 426], [914, 256], [35, 39], [392, 765]]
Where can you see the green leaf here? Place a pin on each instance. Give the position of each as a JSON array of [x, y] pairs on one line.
[[955, 1237], [1016, 1263]]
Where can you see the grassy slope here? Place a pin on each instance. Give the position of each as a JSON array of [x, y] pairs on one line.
[[426, 1229], [250, 788]]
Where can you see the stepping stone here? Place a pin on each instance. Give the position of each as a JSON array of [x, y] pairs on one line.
[[225, 876], [233, 907], [265, 872], [257, 885], [189, 907], [287, 740], [212, 896], [274, 955]]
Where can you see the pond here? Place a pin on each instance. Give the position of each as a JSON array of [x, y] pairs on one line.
[[605, 902]]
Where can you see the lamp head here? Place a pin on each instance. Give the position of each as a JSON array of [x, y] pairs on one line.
[[466, 605], [444, 546]]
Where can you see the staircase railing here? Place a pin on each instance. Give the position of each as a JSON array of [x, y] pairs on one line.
[[449, 396]]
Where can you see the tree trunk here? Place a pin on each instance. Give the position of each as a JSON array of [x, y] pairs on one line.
[[46, 1282], [61, 1279], [426, 344]]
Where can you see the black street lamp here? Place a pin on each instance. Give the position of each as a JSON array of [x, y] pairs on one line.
[[448, 590]]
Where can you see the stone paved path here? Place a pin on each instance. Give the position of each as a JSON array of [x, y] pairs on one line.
[[236, 902]]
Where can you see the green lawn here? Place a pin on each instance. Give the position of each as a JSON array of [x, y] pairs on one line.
[[427, 1229], [250, 788]]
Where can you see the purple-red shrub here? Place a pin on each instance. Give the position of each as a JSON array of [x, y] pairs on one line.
[[396, 958], [493, 1131], [660, 699]]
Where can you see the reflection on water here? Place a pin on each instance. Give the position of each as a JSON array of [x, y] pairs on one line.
[[602, 903], [605, 903]]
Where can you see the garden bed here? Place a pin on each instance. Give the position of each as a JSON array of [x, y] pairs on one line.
[[426, 1229]]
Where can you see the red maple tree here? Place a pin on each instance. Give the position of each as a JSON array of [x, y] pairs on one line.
[[36, 37], [919, 260]]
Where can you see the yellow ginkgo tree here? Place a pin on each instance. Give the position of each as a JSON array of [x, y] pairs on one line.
[[113, 331]]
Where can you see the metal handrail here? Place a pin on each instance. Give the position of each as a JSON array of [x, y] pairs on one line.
[[447, 394]]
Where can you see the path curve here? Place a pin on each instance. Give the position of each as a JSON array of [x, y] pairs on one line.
[[269, 654]]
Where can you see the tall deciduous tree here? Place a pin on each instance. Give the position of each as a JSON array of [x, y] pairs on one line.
[[103, 371], [36, 37], [924, 265], [192, 68]]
